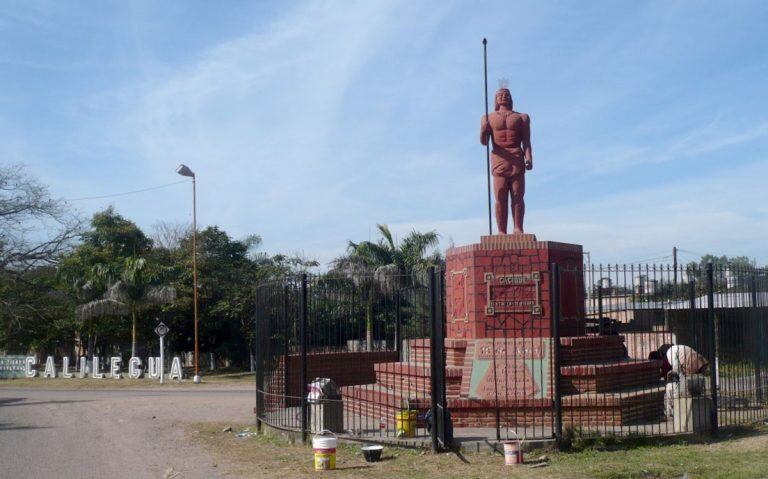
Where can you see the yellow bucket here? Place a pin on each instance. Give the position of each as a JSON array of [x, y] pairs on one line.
[[324, 448], [405, 423]]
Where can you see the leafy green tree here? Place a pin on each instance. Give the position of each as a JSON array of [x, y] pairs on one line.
[[228, 271], [109, 275], [134, 287], [34, 314], [386, 264]]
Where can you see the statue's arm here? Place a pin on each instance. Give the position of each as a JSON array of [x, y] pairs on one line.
[[485, 130], [527, 142]]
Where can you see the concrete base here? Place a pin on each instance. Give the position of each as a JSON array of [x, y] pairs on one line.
[[326, 416], [692, 414], [196, 379]]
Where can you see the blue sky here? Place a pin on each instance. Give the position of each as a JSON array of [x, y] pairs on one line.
[[309, 122]]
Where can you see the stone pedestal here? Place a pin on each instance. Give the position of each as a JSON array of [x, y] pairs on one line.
[[692, 414], [326, 415], [499, 348], [501, 286]]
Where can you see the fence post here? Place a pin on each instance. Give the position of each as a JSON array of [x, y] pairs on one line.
[[600, 308], [398, 339], [432, 358], [758, 341], [712, 344], [555, 308], [259, 363], [692, 309], [286, 349], [303, 335]]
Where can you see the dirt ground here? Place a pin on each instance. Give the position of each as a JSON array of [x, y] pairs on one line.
[[76, 428], [113, 433]]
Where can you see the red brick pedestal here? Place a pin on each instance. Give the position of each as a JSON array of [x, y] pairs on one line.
[[501, 286], [499, 344]]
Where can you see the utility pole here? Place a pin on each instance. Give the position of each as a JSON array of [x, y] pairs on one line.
[[674, 262], [589, 275]]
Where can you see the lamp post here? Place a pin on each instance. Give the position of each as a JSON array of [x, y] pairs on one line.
[[184, 170]]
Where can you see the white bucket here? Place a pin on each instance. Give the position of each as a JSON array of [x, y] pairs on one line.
[[324, 449], [513, 451]]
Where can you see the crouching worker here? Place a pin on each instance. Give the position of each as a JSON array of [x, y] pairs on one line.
[[679, 363]]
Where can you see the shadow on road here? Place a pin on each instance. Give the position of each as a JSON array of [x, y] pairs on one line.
[[11, 427], [4, 402]]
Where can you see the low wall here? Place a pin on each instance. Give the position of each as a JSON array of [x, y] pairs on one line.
[[345, 368]]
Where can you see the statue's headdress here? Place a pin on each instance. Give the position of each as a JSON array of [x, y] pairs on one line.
[[503, 86]]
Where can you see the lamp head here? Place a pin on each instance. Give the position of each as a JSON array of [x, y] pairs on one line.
[[184, 170]]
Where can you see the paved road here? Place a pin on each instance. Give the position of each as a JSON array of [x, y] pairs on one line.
[[111, 433]]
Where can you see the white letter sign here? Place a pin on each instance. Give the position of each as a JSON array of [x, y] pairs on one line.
[[30, 361], [95, 373], [50, 368], [154, 367], [65, 368], [114, 366], [175, 369], [133, 368], [83, 366]]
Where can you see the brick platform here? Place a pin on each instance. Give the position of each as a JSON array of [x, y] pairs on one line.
[[499, 343], [599, 388]]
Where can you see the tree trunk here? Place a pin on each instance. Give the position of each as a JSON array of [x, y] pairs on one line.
[[133, 331], [369, 327]]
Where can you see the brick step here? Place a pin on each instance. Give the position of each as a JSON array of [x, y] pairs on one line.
[[372, 413], [450, 343], [591, 349], [641, 405], [376, 393], [455, 349], [609, 377], [573, 350], [378, 402], [631, 396], [416, 378]]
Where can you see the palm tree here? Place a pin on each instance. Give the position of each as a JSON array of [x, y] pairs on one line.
[[387, 265], [135, 286]]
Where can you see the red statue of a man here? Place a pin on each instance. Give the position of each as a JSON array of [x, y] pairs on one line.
[[511, 155]]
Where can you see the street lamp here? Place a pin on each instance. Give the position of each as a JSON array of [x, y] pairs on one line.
[[184, 170]]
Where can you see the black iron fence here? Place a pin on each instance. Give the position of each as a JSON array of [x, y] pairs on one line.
[[610, 350], [707, 326], [369, 334]]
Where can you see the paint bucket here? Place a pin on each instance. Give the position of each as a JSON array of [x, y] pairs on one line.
[[513, 451], [324, 448], [405, 423], [372, 453]]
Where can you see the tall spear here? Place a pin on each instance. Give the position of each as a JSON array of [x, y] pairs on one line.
[[488, 143]]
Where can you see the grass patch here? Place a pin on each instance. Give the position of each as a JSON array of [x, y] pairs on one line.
[[739, 454]]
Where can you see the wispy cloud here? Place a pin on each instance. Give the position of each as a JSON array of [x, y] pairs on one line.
[[310, 123], [694, 143]]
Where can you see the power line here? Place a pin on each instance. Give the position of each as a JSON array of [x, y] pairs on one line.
[[691, 252], [648, 260], [128, 192]]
